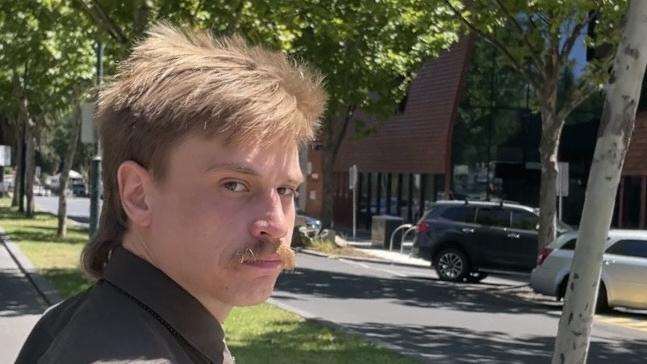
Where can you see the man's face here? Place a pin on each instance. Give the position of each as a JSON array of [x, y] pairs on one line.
[[217, 207]]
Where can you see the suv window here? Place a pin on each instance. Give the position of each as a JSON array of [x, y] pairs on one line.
[[630, 248], [493, 216], [570, 245], [523, 220], [459, 213]]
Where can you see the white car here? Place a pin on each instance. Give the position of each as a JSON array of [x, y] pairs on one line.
[[624, 270]]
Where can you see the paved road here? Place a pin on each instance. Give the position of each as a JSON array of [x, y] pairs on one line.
[[78, 208], [440, 321], [20, 307], [498, 321]]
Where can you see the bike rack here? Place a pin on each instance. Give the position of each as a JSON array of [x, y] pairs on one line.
[[403, 226], [407, 243]]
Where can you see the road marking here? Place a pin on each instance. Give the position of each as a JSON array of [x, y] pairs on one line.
[[366, 266], [628, 322]]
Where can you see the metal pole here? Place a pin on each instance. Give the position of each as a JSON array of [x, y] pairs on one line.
[[560, 192], [354, 213], [95, 167]]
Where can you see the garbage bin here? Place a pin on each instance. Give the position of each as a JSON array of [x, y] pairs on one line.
[[382, 227]]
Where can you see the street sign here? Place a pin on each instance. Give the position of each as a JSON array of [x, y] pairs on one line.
[[562, 179], [352, 177], [5, 155], [87, 122]]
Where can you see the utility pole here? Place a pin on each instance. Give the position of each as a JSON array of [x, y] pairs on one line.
[[95, 167]]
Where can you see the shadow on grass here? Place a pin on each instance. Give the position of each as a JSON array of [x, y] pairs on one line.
[[307, 342], [17, 296], [11, 213], [67, 282], [42, 235]]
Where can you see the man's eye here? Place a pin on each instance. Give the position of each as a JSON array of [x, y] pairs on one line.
[[288, 192], [235, 186]]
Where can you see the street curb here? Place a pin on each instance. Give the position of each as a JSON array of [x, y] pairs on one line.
[[40, 284], [340, 327], [358, 259]]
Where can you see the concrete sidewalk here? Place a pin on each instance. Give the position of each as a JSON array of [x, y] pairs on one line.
[[20, 304], [382, 255]]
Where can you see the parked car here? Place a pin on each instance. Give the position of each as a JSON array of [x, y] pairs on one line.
[[624, 270], [466, 239], [306, 224]]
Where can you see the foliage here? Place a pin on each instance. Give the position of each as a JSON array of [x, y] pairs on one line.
[[537, 39]]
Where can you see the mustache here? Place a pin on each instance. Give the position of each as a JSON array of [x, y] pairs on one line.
[[266, 247]]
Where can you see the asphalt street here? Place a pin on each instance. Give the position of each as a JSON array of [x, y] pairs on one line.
[[408, 309], [441, 322], [78, 208]]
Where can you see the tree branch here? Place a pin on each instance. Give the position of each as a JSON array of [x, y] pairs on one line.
[[103, 21], [570, 41], [523, 32], [337, 139], [583, 91], [517, 65]]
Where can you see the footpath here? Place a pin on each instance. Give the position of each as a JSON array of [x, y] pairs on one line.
[[20, 303]]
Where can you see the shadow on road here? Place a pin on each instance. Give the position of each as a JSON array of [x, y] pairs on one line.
[[439, 344], [442, 344], [412, 292]]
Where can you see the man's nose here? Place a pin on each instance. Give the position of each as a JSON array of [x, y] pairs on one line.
[[272, 221]]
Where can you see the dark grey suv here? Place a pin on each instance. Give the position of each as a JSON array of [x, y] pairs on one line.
[[466, 239]]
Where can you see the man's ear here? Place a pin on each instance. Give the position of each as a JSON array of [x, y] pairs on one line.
[[134, 186]]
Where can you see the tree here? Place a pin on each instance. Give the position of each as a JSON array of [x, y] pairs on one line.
[[539, 38], [73, 141], [618, 119], [46, 54], [368, 51]]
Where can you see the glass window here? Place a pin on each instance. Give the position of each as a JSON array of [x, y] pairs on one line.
[[570, 245], [523, 220], [630, 248], [493, 217], [460, 214]]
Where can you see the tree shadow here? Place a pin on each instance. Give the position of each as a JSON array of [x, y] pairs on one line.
[[17, 296], [67, 281], [418, 292], [40, 234], [308, 342], [442, 344]]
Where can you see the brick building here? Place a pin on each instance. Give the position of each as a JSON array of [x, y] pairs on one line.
[[424, 152]]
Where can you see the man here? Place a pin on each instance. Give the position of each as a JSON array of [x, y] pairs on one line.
[[200, 162]]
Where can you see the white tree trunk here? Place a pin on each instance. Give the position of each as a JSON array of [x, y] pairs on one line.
[[75, 134], [30, 169], [618, 117]]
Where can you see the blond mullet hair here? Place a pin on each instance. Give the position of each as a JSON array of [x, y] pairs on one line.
[[179, 82]]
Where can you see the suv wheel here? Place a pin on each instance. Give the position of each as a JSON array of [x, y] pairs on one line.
[[602, 305], [451, 265]]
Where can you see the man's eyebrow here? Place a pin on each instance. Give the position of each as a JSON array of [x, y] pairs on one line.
[[236, 167], [243, 169]]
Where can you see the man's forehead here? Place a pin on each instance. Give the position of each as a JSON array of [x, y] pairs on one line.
[[258, 159]]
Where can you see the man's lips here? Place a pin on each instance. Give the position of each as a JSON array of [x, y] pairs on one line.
[[271, 261]]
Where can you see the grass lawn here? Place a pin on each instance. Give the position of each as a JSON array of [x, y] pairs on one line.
[[260, 334]]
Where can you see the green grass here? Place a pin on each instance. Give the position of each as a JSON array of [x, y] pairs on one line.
[[259, 334], [266, 334], [56, 258]]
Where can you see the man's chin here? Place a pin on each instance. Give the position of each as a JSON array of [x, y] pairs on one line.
[[253, 301]]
